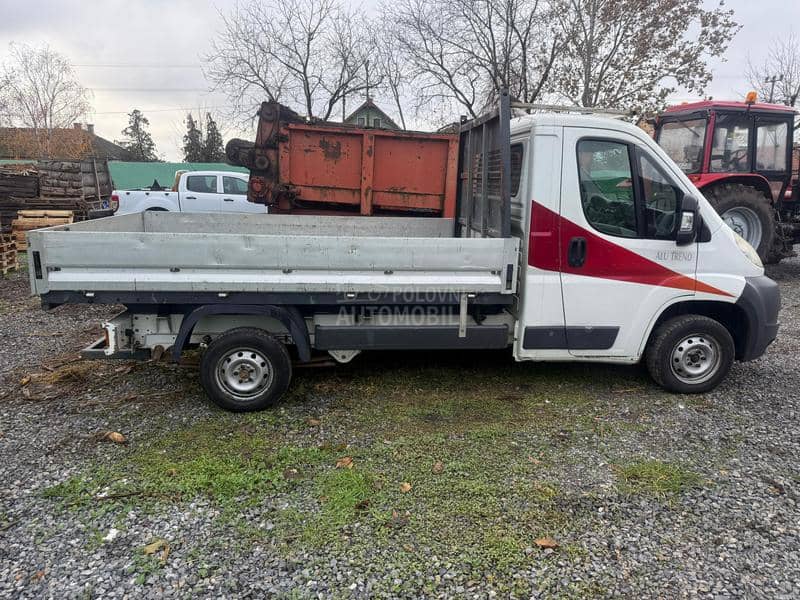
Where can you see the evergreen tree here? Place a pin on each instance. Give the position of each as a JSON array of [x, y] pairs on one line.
[[137, 139], [193, 147], [212, 147]]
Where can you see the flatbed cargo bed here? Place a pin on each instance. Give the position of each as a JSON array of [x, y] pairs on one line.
[[162, 252]]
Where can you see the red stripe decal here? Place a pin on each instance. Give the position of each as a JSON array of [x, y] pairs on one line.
[[604, 259]]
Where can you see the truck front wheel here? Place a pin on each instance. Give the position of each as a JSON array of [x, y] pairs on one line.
[[749, 213], [690, 354], [245, 369]]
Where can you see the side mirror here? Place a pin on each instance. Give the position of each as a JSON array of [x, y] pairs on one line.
[[689, 222]]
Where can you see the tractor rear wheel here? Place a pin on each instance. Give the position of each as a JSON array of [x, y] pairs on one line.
[[749, 213]]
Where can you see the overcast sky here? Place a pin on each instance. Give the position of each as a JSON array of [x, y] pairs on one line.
[[147, 54]]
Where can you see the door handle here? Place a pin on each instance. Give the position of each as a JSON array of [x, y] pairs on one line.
[[228, 199], [191, 198], [576, 254]]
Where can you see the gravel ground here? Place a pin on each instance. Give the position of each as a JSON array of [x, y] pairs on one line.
[[561, 453]]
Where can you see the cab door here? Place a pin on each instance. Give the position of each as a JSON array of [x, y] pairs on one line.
[[234, 196], [201, 193], [620, 264], [772, 156]]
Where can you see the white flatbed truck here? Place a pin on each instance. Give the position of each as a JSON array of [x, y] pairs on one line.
[[577, 239]]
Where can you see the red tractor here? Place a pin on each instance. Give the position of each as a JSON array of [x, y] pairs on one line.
[[740, 155]]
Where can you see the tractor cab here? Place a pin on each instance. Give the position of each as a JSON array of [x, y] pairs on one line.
[[739, 154]]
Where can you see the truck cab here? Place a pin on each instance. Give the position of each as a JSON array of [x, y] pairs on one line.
[[611, 255], [739, 154]]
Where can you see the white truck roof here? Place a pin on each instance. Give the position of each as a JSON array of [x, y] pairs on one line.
[[226, 173], [527, 122]]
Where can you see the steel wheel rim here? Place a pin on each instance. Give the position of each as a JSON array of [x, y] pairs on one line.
[[745, 222], [244, 373], [696, 358]]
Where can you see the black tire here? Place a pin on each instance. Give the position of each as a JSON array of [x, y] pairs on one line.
[[674, 355], [735, 195], [245, 369]]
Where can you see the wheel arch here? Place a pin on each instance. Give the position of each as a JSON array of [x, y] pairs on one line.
[[289, 316], [754, 181], [730, 315]]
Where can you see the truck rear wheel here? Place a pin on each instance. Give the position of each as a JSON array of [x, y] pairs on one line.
[[245, 369], [749, 213], [690, 354]]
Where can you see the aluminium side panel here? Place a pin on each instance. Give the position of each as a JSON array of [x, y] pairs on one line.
[[102, 261]]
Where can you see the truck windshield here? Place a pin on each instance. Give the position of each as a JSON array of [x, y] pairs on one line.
[[683, 142]]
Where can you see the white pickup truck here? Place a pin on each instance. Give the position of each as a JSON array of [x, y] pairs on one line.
[[195, 192]]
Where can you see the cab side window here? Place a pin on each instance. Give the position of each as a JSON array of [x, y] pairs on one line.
[[607, 197], [517, 153], [202, 184], [661, 200], [771, 146], [625, 193], [234, 186]]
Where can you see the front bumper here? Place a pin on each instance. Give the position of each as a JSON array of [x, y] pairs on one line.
[[760, 301]]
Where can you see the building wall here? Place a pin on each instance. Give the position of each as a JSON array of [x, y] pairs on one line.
[[370, 114]]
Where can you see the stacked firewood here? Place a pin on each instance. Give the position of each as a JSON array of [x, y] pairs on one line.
[[74, 179], [75, 186], [60, 179], [21, 183], [18, 185]]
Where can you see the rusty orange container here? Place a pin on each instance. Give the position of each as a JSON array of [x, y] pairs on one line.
[[327, 168]]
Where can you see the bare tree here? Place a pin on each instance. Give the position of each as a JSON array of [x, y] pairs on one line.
[[351, 46], [309, 52], [394, 76], [632, 53], [782, 63], [462, 51], [40, 91], [5, 109]]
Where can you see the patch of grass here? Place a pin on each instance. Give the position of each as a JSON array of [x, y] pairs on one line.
[[344, 495], [342, 491], [143, 566], [656, 478], [434, 399], [79, 489], [216, 461], [216, 458]]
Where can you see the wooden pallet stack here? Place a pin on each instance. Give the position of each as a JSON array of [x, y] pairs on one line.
[[8, 255], [60, 185], [36, 219]]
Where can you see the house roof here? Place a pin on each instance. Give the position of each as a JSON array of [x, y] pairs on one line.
[[67, 143], [104, 148], [369, 104]]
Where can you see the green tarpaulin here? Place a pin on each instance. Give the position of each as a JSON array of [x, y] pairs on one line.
[[134, 175]]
